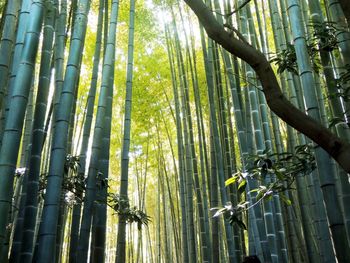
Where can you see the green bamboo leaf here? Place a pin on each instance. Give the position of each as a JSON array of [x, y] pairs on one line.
[[231, 180], [279, 175], [242, 185], [285, 199], [260, 195], [254, 190]]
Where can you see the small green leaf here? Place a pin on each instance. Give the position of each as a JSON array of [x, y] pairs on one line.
[[260, 195], [279, 175], [242, 185], [285, 199], [231, 180], [267, 197], [254, 190]]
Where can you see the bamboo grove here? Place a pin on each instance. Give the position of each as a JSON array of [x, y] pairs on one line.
[[129, 135]]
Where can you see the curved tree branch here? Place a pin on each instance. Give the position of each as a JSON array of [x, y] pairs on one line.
[[345, 5], [278, 103]]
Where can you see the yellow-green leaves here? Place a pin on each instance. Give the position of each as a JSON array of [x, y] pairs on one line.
[[233, 179]]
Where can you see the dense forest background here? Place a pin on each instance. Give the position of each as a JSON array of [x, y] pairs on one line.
[[128, 135]]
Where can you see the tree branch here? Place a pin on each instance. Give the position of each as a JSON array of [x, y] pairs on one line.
[[278, 103], [232, 12], [345, 5], [238, 8]]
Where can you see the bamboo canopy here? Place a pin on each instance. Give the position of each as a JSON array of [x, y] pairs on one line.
[[174, 131]]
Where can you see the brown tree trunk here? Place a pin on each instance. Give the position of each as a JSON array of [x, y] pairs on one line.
[[278, 103], [345, 5]]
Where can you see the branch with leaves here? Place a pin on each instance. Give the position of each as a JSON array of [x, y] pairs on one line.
[[73, 182], [132, 214], [283, 168], [278, 103]]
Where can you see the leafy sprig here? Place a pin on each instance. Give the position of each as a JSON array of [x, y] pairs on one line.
[[132, 214], [282, 168]]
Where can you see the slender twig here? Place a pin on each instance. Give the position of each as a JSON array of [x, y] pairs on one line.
[[238, 8], [233, 11]]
